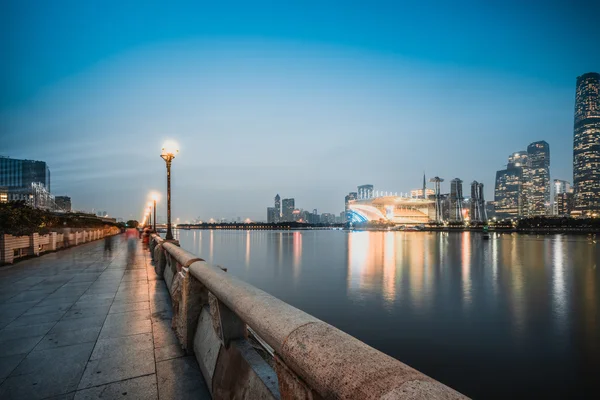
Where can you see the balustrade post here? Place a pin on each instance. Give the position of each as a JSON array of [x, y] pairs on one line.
[[226, 323]]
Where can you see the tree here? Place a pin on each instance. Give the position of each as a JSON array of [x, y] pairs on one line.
[[132, 223]]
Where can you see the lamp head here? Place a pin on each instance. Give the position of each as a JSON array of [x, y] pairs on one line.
[[169, 149]]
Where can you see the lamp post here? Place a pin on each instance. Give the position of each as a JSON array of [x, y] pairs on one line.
[[154, 198], [168, 154], [149, 214]]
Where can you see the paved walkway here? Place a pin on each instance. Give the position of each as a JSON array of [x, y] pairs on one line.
[[84, 325]]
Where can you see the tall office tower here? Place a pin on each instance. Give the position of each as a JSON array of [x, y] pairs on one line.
[[277, 208], [512, 186], [287, 210], [424, 194], [586, 144], [563, 198], [456, 200], [538, 195], [365, 191], [478, 211], [271, 215], [439, 215]]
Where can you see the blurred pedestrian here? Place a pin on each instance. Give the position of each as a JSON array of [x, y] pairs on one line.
[[108, 244]]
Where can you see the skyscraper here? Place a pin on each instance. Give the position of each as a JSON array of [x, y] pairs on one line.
[[456, 200], [563, 198], [538, 174], [271, 215], [478, 211], [287, 210], [439, 214], [277, 208], [512, 184], [586, 144]]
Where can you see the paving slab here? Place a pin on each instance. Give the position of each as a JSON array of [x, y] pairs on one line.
[[142, 388], [84, 325], [180, 378]]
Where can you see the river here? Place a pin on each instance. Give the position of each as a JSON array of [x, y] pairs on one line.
[[514, 316]]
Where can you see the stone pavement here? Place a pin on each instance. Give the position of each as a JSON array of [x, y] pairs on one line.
[[80, 324]]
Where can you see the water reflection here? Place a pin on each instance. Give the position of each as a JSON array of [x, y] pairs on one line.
[[450, 304]]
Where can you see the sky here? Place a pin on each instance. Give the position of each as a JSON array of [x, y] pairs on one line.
[[307, 99]]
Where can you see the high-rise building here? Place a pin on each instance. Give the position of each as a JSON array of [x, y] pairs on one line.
[[287, 210], [439, 213], [277, 208], [563, 198], [478, 212], [272, 215], [510, 200], [586, 144], [456, 200], [538, 193], [63, 203], [365, 191]]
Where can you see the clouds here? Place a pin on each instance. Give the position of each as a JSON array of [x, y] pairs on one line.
[[305, 101]]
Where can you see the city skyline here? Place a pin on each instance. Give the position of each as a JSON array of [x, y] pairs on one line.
[[387, 94]]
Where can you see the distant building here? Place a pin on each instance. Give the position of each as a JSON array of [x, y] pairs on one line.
[[296, 215], [63, 203], [538, 196], [586, 144], [272, 215], [26, 180], [365, 191], [456, 200], [16, 173], [478, 212], [563, 198], [349, 197], [418, 193], [277, 208], [509, 192], [287, 210], [327, 218]]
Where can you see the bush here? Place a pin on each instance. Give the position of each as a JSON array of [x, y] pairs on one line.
[[17, 218]]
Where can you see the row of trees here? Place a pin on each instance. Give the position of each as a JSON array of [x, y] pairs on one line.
[[17, 218]]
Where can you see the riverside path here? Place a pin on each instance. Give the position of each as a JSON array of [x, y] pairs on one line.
[[81, 324]]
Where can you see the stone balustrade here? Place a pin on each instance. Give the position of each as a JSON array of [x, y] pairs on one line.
[[250, 344], [15, 247]]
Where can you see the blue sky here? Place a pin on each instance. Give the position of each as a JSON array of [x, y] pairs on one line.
[[306, 99]]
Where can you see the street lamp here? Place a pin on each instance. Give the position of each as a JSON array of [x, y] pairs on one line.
[[150, 213], [154, 198], [168, 154]]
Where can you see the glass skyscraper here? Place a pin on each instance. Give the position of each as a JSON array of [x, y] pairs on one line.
[[586, 145], [538, 196]]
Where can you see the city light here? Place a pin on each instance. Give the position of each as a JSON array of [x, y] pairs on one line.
[[169, 149]]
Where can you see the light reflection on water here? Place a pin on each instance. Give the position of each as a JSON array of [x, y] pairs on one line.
[[474, 314]]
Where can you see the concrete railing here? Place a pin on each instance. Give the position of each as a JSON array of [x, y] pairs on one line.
[[15, 247], [250, 344]]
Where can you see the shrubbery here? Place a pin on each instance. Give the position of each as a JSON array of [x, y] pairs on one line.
[[17, 218]]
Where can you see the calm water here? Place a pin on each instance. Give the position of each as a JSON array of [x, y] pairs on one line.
[[518, 315]]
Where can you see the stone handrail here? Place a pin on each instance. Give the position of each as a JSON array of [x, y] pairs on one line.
[[312, 359], [15, 247]]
